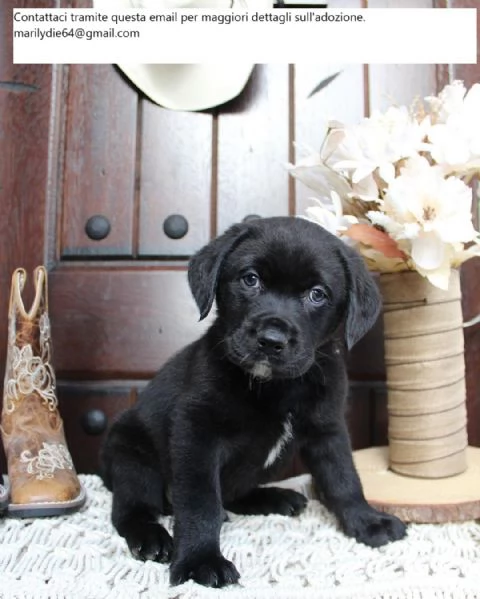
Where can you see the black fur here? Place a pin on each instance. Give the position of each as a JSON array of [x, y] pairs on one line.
[[198, 441]]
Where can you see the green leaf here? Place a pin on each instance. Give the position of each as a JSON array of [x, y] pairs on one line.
[[323, 84]]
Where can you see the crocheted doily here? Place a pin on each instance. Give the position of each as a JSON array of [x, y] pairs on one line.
[[81, 556]]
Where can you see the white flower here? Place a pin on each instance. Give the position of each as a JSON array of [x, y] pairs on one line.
[[432, 212], [319, 177], [392, 184], [455, 136], [433, 260], [449, 101], [313, 172], [329, 215], [421, 195], [376, 143], [366, 190], [386, 222]]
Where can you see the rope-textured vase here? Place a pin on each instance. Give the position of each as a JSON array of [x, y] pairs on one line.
[[424, 355]]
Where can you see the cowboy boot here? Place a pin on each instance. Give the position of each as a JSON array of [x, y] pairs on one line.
[[41, 474]]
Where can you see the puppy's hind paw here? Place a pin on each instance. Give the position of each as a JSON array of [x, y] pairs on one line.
[[269, 500], [372, 527], [208, 570], [149, 541]]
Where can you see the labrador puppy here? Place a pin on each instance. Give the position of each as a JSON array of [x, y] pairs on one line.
[[225, 414]]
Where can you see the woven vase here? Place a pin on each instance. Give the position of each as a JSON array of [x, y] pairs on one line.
[[425, 364]]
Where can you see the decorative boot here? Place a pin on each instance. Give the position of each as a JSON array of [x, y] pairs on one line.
[[41, 475]]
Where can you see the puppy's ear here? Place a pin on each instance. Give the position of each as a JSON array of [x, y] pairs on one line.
[[205, 266], [364, 302]]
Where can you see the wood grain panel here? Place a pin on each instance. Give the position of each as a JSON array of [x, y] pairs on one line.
[[99, 165], [74, 403], [471, 309], [360, 415], [470, 74], [400, 84], [119, 323], [253, 148], [366, 360], [26, 98], [176, 171]]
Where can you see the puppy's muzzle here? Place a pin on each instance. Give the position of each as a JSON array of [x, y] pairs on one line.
[[272, 341], [274, 336], [270, 346]]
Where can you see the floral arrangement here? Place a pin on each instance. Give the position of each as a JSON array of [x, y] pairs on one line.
[[396, 184]]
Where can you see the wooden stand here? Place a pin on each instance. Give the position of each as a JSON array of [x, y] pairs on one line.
[[452, 499]]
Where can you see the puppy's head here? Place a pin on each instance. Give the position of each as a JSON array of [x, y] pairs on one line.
[[283, 287]]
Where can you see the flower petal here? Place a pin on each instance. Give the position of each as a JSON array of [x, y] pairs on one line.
[[321, 178], [323, 217], [428, 251], [366, 189]]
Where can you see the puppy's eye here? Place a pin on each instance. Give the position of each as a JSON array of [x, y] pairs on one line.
[[251, 279], [317, 296]]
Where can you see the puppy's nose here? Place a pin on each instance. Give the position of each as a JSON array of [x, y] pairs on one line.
[[272, 341]]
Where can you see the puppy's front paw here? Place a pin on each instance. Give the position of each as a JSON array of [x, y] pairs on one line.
[[372, 527], [210, 570], [149, 541]]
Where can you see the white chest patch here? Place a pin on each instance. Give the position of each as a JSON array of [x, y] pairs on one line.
[[277, 449]]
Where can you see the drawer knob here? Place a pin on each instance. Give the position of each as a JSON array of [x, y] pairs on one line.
[[97, 227], [94, 422], [175, 226]]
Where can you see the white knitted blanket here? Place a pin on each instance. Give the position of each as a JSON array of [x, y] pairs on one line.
[[81, 556]]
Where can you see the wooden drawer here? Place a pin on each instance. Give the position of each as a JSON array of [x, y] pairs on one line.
[[87, 412]]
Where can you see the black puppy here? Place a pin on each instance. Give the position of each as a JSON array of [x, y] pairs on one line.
[[223, 415]]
